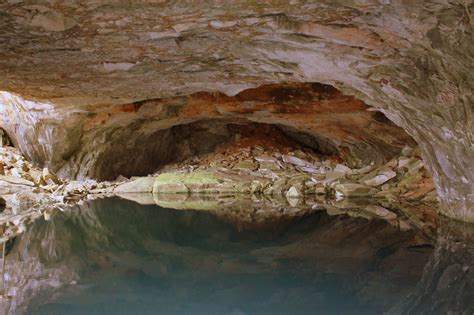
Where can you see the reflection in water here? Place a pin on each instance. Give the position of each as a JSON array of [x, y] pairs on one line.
[[447, 285], [117, 257]]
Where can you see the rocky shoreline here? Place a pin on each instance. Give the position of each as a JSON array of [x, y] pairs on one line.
[[245, 180]]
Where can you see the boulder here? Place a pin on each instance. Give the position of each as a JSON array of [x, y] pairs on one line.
[[138, 185], [354, 190], [170, 188]]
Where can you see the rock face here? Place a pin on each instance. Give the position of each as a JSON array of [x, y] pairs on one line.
[[132, 69], [134, 139], [448, 278]]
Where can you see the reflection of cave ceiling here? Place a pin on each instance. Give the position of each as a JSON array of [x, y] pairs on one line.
[[71, 252]]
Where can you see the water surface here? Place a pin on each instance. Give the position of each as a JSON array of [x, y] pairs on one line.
[[114, 256]]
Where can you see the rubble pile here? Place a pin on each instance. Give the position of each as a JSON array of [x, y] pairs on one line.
[[250, 181], [28, 192], [292, 172], [249, 178]]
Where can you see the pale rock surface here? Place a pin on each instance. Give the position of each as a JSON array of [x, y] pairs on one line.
[[411, 60]]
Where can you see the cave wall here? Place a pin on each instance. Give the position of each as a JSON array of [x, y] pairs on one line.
[[138, 137], [410, 59]]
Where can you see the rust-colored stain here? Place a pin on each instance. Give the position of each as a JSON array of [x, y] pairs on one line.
[[314, 107], [96, 120], [127, 108]]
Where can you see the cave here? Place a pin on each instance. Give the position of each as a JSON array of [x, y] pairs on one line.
[[248, 119]]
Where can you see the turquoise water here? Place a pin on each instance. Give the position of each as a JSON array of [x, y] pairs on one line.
[[118, 257]]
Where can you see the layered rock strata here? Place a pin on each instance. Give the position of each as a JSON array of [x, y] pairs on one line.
[[410, 60]]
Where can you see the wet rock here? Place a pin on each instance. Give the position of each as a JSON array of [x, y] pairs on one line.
[[170, 188], [267, 163], [16, 180], [268, 166], [276, 188], [23, 200], [363, 170], [403, 161], [293, 193], [50, 178], [414, 166], [381, 212], [404, 225], [296, 161], [382, 176], [14, 172], [341, 168], [320, 190], [139, 185], [354, 190], [121, 178], [449, 276], [245, 165], [332, 176], [37, 176]]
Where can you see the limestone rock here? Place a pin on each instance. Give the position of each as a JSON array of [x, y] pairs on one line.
[[354, 190], [139, 185], [382, 176], [37, 176], [342, 168], [16, 180], [245, 165], [381, 212], [293, 193], [170, 188], [296, 161], [49, 177], [334, 175], [53, 21]]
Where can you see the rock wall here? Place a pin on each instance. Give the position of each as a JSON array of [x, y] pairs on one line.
[[448, 278], [136, 138], [410, 59]]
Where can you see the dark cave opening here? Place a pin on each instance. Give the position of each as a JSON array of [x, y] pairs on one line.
[[141, 156]]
